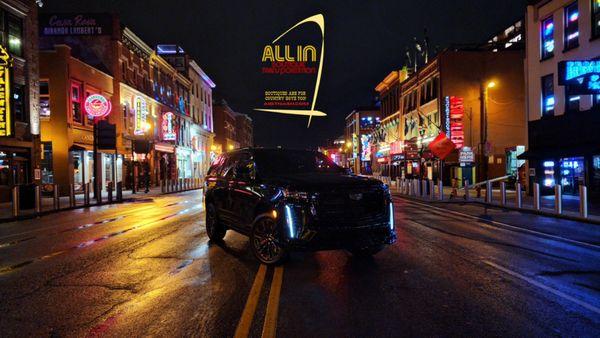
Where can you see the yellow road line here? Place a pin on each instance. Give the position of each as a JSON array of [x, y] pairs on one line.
[[270, 324], [243, 328]]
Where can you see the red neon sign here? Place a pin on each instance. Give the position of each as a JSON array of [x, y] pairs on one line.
[[457, 112], [97, 105], [168, 127]]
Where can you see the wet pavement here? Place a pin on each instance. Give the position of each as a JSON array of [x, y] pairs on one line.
[[147, 269]]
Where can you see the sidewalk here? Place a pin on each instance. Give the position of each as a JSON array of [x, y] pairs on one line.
[[48, 203], [570, 204]]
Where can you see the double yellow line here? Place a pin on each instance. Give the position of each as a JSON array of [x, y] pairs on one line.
[[270, 323]]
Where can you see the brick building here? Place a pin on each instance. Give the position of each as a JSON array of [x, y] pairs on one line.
[[19, 114]]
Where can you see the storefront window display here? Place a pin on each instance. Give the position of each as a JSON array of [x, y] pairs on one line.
[[572, 174]]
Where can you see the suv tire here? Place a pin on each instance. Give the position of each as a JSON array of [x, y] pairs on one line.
[[265, 242], [214, 229]]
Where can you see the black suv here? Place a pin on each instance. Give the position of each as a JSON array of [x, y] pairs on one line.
[[294, 199]]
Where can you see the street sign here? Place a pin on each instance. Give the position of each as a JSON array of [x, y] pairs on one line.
[[106, 135]]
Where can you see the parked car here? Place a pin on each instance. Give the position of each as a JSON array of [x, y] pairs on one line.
[[287, 200]]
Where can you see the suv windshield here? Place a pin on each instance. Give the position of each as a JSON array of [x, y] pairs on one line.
[[279, 162]]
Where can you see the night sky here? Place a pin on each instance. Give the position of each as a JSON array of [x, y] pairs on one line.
[[364, 41]]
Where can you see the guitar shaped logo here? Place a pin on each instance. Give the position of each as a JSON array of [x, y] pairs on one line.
[[283, 62]]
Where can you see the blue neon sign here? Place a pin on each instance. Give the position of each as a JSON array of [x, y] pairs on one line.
[[581, 77]]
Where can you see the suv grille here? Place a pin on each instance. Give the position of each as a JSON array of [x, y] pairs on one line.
[[351, 208]]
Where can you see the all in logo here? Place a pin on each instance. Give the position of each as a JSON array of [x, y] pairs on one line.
[[294, 71]]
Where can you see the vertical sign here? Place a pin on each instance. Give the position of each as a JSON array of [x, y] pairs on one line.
[[5, 122], [168, 129], [457, 112], [141, 113]]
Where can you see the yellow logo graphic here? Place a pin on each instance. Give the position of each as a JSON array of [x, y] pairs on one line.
[[273, 53]]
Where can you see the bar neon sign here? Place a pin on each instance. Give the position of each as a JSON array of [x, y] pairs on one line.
[[141, 114], [97, 106], [168, 129], [5, 118]]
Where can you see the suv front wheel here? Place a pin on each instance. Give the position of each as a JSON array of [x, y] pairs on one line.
[[265, 241], [214, 229]]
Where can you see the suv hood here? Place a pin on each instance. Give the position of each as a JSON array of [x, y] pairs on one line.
[[323, 181]]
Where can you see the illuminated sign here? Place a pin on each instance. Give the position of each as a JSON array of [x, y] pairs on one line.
[[141, 114], [64, 24], [365, 141], [5, 118], [581, 77], [466, 155], [168, 127], [447, 111], [282, 61], [97, 106], [457, 112]]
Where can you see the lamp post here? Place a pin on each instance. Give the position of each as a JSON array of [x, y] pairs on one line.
[[484, 92]]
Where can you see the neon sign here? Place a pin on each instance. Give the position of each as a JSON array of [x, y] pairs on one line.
[[168, 128], [5, 64], [365, 141], [141, 114], [581, 77], [97, 106], [457, 111]]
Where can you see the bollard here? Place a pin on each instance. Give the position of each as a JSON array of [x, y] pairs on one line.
[[467, 197], [431, 190], [519, 196], [488, 192], [558, 199], [56, 197], [38, 199], [536, 197], [72, 201], [583, 204], [119, 192], [15, 201], [86, 194], [109, 191], [423, 188], [503, 193], [162, 186], [440, 190], [99, 193]]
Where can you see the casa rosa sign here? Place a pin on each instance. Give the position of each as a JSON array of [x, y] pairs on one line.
[[97, 106]]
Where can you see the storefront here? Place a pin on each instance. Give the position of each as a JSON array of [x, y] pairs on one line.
[[565, 148]]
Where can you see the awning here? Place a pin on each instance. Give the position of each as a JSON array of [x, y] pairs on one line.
[[81, 147]]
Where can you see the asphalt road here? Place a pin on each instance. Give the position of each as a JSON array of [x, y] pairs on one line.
[[147, 269]]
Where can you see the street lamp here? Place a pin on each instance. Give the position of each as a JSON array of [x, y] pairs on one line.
[[485, 87]]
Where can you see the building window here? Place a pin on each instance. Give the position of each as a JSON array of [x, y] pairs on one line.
[[44, 98], [47, 172], [572, 102], [76, 102], [15, 35], [18, 101], [595, 18], [571, 26], [548, 38], [548, 100]]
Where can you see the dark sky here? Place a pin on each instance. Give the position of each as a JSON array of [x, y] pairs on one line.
[[364, 41]]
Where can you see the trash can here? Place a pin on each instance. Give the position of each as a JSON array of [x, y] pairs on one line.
[[26, 196]]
